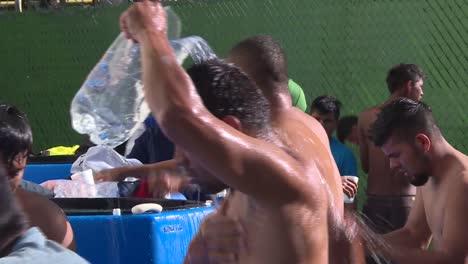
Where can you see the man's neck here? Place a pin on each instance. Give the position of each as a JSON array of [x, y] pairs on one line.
[[394, 96], [441, 159], [279, 102]]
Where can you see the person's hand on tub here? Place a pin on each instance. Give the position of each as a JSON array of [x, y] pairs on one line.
[[108, 175], [161, 182], [212, 246], [164, 183]]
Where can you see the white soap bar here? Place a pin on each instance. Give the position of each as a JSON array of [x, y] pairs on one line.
[[145, 207]]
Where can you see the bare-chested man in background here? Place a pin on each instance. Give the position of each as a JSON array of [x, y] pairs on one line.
[[389, 196], [281, 192], [408, 135], [264, 60]]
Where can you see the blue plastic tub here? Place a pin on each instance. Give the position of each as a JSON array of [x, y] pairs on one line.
[[148, 238], [40, 173]]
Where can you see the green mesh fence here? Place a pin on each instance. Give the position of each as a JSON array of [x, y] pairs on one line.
[[342, 48], [44, 58]]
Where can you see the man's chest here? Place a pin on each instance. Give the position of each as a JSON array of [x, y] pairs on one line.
[[268, 232]]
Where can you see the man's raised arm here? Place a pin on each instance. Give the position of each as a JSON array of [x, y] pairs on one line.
[[224, 151]]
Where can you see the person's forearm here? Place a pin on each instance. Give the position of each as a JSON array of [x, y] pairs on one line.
[[403, 247], [403, 255], [145, 170], [403, 238], [119, 174], [168, 89], [167, 165]]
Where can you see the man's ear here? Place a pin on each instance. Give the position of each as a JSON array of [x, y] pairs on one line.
[[423, 142], [233, 122], [408, 87]]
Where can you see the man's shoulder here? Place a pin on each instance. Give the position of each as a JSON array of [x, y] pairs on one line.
[[458, 174], [313, 126], [371, 112], [296, 113], [461, 180], [367, 117], [36, 201], [30, 199], [44, 214]]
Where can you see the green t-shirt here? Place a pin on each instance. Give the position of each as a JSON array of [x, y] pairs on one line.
[[297, 95]]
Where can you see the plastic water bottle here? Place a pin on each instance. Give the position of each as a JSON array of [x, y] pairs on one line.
[[110, 105]]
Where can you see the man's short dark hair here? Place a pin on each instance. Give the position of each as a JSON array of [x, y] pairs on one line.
[[345, 126], [268, 60], [400, 74], [326, 104], [15, 133], [403, 118], [226, 90]]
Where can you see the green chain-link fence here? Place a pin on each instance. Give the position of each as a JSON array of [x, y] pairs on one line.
[[342, 48]]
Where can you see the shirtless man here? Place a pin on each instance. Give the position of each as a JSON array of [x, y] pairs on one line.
[[406, 132], [262, 58], [280, 194], [15, 146], [389, 196], [264, 61]]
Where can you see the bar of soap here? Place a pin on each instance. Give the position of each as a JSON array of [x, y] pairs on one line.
[[147, 208]]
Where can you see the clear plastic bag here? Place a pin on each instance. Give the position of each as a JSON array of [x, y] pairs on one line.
[[110, 104], [79, 189]]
